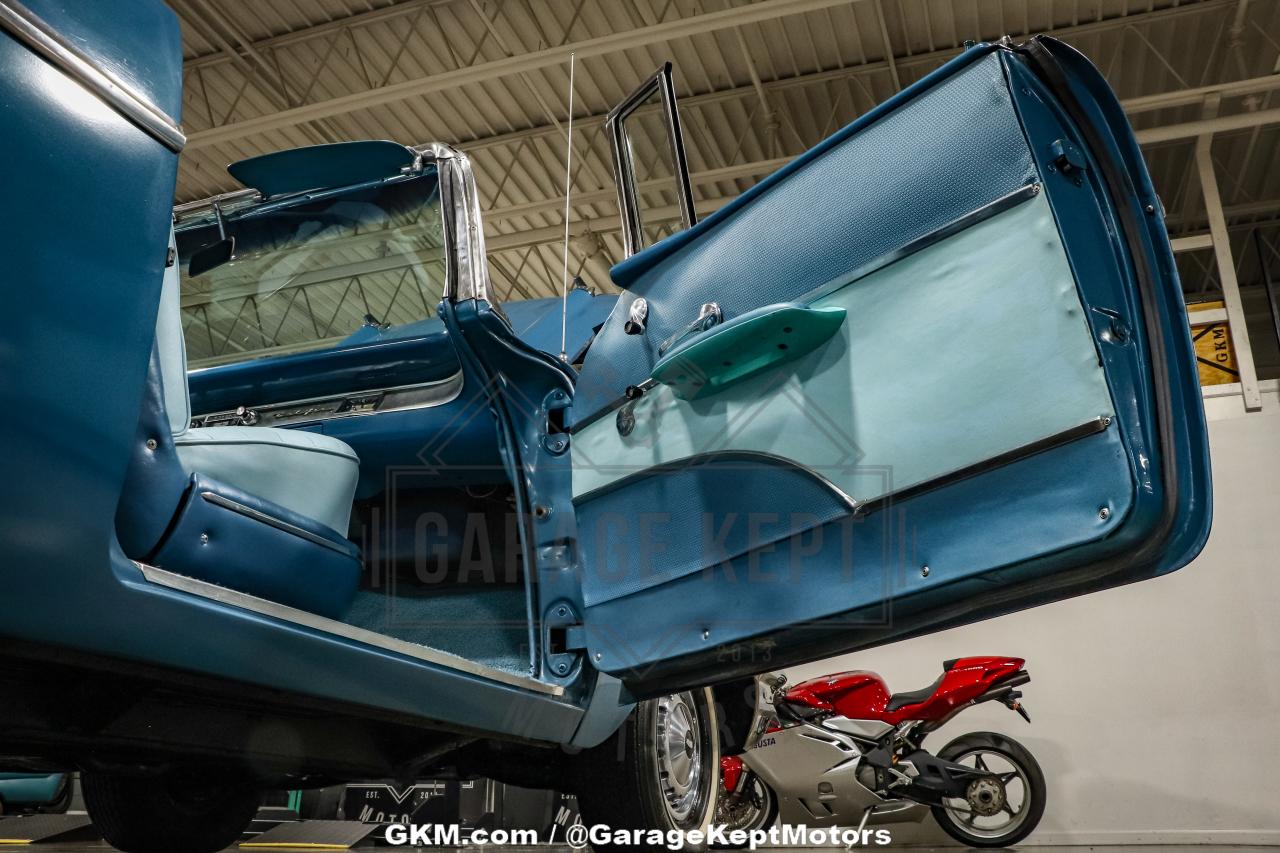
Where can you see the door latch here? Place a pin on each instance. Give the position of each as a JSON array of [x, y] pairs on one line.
[[1067, 157]]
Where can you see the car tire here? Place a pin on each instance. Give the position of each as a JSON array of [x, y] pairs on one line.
[[661, 771], [1023, 763], [191, 811]]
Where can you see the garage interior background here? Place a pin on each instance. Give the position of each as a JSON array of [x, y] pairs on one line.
[[1154, 706]]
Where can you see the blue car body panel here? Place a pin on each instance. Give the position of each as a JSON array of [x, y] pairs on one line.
[[139, 43], [30, 790]]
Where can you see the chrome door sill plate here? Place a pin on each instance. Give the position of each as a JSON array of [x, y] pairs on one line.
[[221, 594]]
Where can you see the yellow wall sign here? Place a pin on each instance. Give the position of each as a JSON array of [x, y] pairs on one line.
[[1215, 355]]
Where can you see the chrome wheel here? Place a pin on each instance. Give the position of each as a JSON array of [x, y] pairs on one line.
[[996, 803], [681, 752]]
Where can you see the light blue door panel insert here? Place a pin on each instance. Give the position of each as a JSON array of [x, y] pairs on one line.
[[948, 144], [959, 353]]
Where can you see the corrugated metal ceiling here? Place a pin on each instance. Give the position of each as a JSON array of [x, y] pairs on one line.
[[759, 81]]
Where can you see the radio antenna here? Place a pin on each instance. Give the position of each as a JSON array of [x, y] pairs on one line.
[[568, 181]]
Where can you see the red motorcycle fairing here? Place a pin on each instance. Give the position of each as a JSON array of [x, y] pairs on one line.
[[731, 771], [862, 695]]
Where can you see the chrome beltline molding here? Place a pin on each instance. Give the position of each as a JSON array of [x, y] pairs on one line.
[[29, 29], [222, 595]]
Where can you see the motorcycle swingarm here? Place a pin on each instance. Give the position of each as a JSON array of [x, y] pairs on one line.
[[935, 778]]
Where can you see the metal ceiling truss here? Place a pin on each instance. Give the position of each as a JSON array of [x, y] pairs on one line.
[[248, 95]]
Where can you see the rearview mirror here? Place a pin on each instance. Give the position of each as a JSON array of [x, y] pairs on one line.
[[214, 255]]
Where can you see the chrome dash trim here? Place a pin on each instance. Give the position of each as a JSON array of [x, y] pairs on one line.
[[222, 595], [401, 398], [270, 520], [31, 30]]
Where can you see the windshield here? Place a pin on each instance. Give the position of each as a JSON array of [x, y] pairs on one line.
[[308, 273]]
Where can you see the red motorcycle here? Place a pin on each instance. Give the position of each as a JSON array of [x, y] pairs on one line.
[[843, 751]]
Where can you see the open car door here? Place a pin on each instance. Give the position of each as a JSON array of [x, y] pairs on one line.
[[935, 369]]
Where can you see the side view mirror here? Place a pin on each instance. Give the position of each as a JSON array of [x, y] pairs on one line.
[[213, 255]]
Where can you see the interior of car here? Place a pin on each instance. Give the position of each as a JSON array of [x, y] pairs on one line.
[[309, 436]]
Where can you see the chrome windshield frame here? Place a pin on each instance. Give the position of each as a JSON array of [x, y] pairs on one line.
[[468, 267]]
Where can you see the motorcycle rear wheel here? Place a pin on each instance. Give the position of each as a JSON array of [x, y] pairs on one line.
[[1013, 770]]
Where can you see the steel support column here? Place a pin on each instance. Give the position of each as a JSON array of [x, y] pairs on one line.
[[1227, 274]]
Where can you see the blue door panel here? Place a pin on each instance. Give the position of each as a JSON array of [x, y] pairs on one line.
[[1121, 497], [856, 575]]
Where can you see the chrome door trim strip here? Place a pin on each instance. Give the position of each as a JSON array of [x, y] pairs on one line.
[[1049, 442], [32, 31], [856, 506], [222, 595], [688, 462], [961, 223], [270, 520], [401, 398]]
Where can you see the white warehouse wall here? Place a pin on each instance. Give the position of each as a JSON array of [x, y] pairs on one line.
[[1155, 707]]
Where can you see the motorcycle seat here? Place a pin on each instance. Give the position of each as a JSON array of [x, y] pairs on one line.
[[913, 697]]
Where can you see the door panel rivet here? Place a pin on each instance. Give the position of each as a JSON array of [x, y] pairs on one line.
[[1104, 513], [924, 571], [706, 635], [151, 444], [562, 668], [599, 656], [562, 611], [204, 538]]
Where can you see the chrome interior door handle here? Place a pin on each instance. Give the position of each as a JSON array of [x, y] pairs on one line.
[[709, 315]]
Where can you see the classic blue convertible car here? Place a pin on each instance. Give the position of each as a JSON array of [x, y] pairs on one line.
[[291, 497]]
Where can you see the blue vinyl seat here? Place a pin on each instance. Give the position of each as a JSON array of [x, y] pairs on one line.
[[255, 509]]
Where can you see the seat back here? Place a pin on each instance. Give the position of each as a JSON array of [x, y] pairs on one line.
[[155, 482], [171, 347]]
